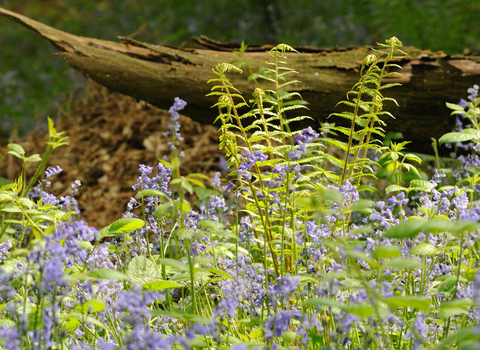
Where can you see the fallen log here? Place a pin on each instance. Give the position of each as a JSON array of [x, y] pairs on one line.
[[157, 74]]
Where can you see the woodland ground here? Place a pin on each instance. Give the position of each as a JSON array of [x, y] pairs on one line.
[[109, 136]]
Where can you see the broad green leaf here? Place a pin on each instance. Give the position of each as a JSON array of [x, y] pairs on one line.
[[204, 193], [464, 135], [448, 284], [382, 252], [4, 183], [425, 249], [27, 203], [402, 263], [465, 302], [219, 272], [7, 322], [106, 274], [34, 158], [161, 285], [124, 226], [421, 183], [212, 224], [162, 209], [464, 334], [394, 188], [406, 229], [86, 318], [142, 270], [16, 150], [323, 302], [4, 197], [413, 301], [175, 263], [184, 317], [455, 107], [91, 306], [184, 233], [187, 185], [362, 310], [289, 337], [151, 193], [448, 312]]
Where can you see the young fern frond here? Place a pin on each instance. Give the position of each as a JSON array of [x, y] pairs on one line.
[[366, 112]]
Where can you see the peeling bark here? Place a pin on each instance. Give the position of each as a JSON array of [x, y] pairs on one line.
[[157, 74]]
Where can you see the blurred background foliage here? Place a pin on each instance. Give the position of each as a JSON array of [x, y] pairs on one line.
[[34, 83]]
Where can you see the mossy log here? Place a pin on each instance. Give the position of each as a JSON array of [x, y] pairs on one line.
[[157, 74]]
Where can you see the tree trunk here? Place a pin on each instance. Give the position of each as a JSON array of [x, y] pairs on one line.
[[157, 74]]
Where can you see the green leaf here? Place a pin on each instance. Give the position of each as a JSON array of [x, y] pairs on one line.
[[458, 337], [175, 263], [362, 310], [448, 312], [212, 224], [402, 263], [413, 301], [7, 322], [464, 135], [161, 285], [86, 318], [184, 317], [162, 209], [448, 285], [151, 193], [124, 226], [34, 158], [455, 107], [425, 249], [91, 306], [16, 150], [142, 270], [394, 188], [406, 229], [382, 252], [204, 193], [4, 182], [106, 274], [421, 183], [323, 302], [187, 185], [219, 272], [4, 197]]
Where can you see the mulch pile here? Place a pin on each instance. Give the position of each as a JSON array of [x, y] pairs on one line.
[[109, 136]]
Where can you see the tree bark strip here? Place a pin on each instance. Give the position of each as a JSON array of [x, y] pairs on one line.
[[157, 74]]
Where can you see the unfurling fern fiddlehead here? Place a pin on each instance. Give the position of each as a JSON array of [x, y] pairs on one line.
[[372, 73]]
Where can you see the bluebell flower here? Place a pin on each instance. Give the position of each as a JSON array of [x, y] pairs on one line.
[[174, 126], [286, 286], [419, 324], [248, 161], [53, 276], [216, 182], [10, 334], [5, 250], [473, 93], [280, 322], [344, 325], [51, 171], [223, 164], [100, 258]]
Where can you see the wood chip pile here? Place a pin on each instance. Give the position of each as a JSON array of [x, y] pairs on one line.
[[109, 136]]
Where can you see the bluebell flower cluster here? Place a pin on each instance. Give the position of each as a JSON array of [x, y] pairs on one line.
[[249, 159], [174, 126], [302, 139]]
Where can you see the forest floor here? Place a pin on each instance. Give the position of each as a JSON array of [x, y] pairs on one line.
[[109, 136]]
